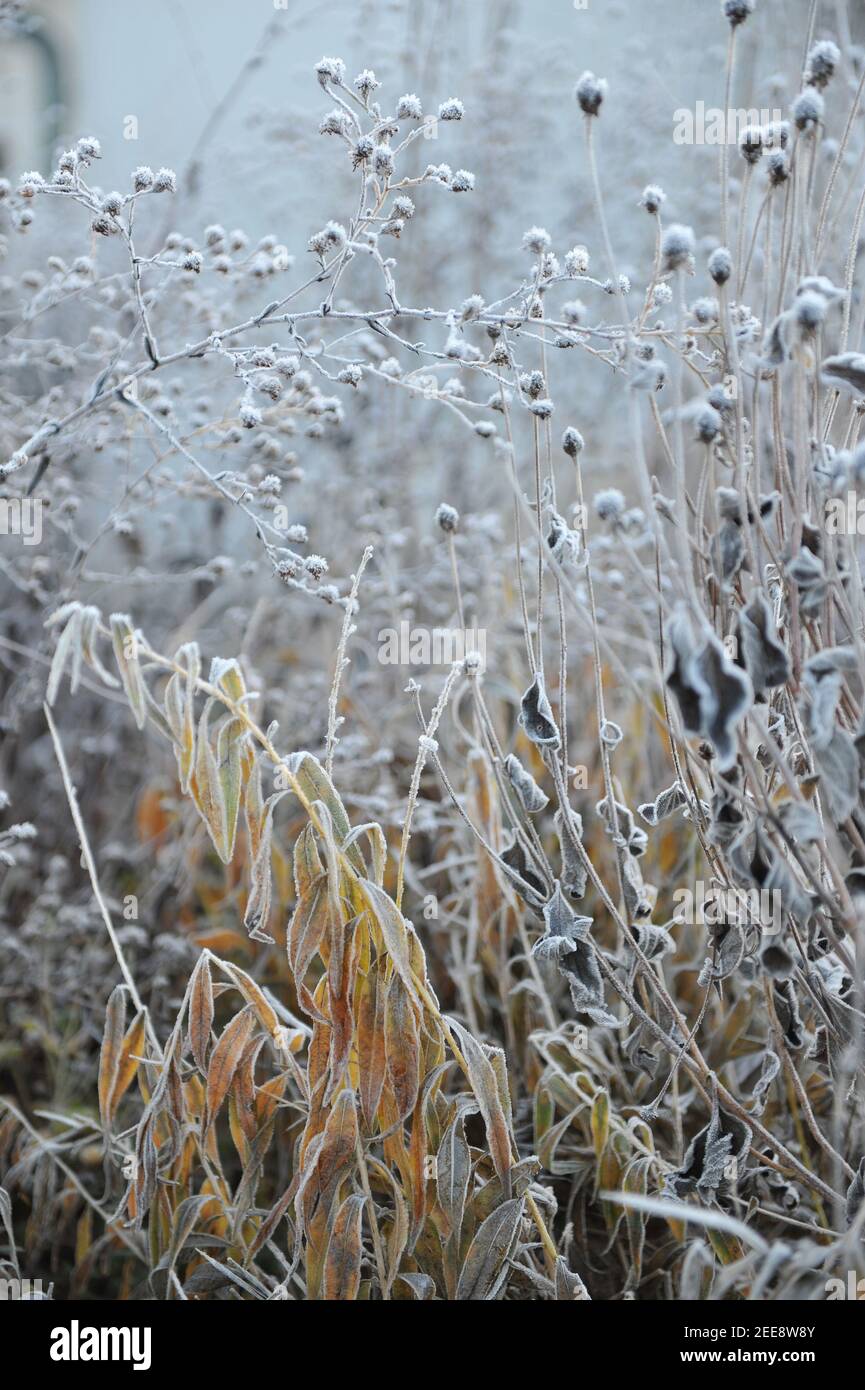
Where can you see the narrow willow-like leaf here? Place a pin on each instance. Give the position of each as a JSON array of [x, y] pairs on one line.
[[344, 1250], [255, 997], [402, 1046], [200, 1021], [179, 705], [453, 1172], [111, 1052], [371, 1055], [484, 1084], [229, 759], [600, 1122], [482, 1272], [125, 641], [90, 619], [315, 785], [338, 1145], [305, 934], [68, 648], [131, 1050], [207, 786], [395, 932], [225, 1059], [258, 903]]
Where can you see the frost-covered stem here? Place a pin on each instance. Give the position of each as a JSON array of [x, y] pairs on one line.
[[560, 605], [836, 167], [734, 363], [426, 744], [793, 215], [850, 272], [656, 271], [678, 454], [345, 633], [521, 585], [725, 153], [768, 261], [602, 222], [540, 537], [455, 575], [90, 865], [378, 1249], [743, 222], [149, 336], [600, 710], [744, 269]]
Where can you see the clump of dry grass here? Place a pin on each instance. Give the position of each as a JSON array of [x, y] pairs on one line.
[[547, 984]]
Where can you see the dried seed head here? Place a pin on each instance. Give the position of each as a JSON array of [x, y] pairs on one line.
[[366, 83], [652, 198], [707, 424], [448, 518], [451, 110], [737, 11], [471, 307], [776, 135], [677, 247], [362, 150], [104, 226], [808, 109], [705, 310], [777, 167], [590, 92], [533, 384], [30, 184], [88, 148], [336, 122], [720, 265], [315, 566], [822, 62], [537, 240], [809, 310], [331, 238], [577, 261], [382, 161], [572, 442], [463, 181], [609, 504], [165, 181], [409, 108], [330, 70], [751, 144], [719, 399]]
